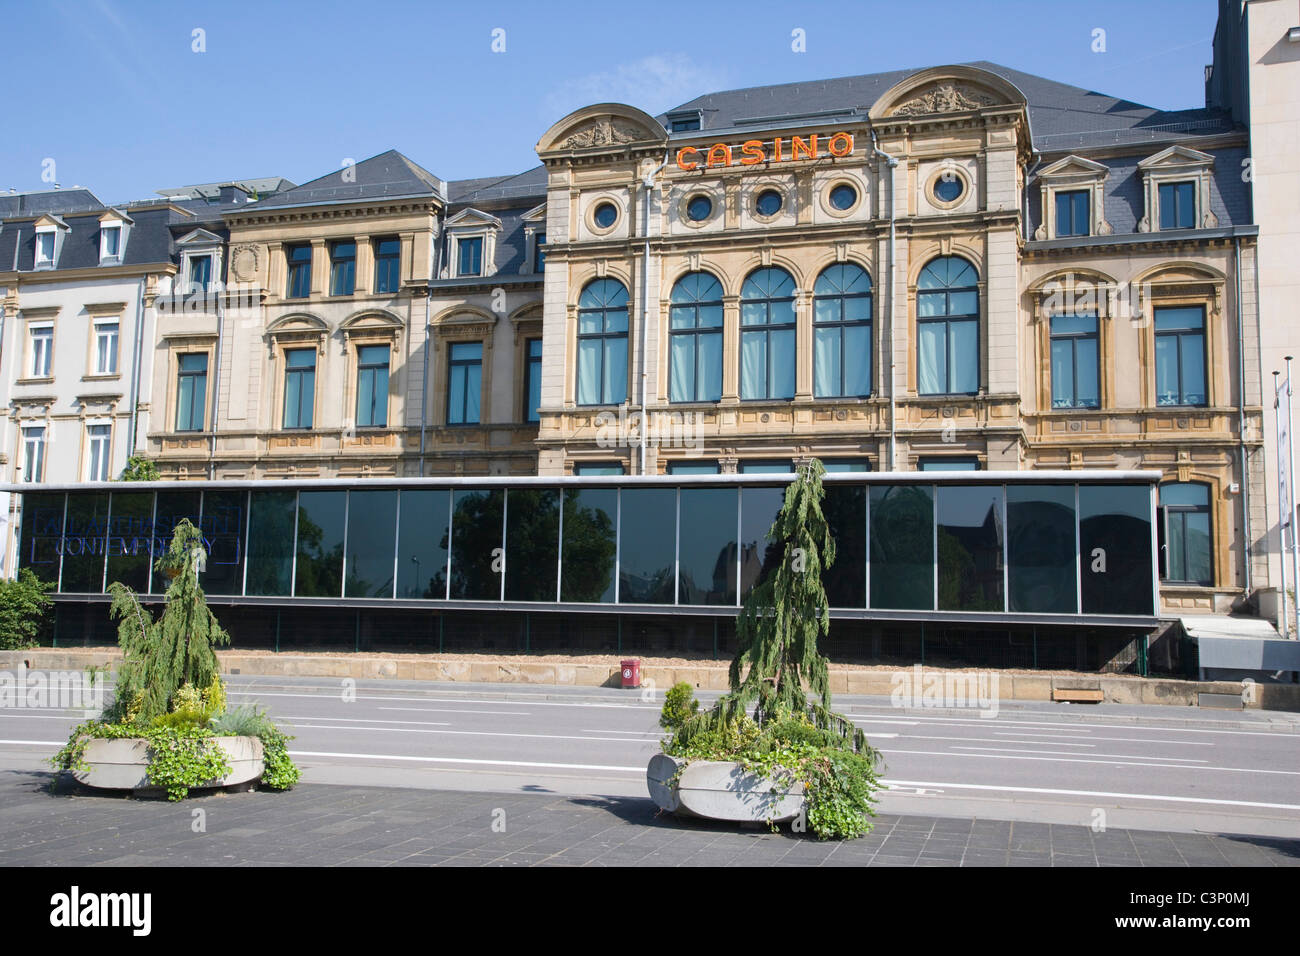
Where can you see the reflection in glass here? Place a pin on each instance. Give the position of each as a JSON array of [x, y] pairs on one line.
[[476, 544], [845, 581], [707, 571], [320, 543], [42, 529], [422, 533], [223, 528], [970, 547], [1041, 565], [83, 544], [270, 545], [590, 545], [532, 543], [372, 528], [1115, 549], [759, 557], [902, 547], [170, 508], [647, 545], [130, 532]]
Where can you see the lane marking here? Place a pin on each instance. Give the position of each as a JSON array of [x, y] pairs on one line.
[[376, 720], [465, 733], [442, 700], [37, 743], [967, 740], [1126, 740], [1007, 721], [1113, 762], [449, 710], [1071, 753], [1096, 793], [467, 760]]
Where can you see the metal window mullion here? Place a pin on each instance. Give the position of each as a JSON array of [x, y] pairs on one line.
[[248, 521], [347, 519], [1155, 550], [293, 570], [397, 531], [108, 525], [63, 536], [559, 549], [1078, 554], [451, 530], [618, 541], [677, 549], [934, 544], [1006, 555], [505, 518]]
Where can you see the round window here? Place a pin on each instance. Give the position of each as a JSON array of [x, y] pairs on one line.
[[948, 187], [843, 197], [699, 208], [768, 203], [606, 215]]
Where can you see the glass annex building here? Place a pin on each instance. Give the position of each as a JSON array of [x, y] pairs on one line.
[[1031, 568]]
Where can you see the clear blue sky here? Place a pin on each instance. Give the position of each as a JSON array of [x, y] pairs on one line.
[[114, 94]]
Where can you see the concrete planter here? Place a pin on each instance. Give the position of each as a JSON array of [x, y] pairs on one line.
[[123, 764], [721, 790]]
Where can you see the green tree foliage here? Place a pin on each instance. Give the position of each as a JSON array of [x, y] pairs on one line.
[[24, 604], [777, 668], [139, 468], [161, 656]]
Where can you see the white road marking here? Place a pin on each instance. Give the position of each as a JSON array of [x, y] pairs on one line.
[[1124, 762], [495, 763], [37, 743], [1004, 722], [1095, 793], [442, 700], [1045, 743], [1124, 740], [376, 720], [1071, 753], [466, 733], [449, 710]]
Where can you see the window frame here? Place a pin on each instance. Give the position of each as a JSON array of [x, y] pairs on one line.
[[1070, 195], [343, 267], [1179, 335], [40, 344], [842, 325], [464, 365], [948, 318], [1181, 512], [1177, 186], [298, 271], [1073, 338], [99, 331], [193, 377], [695, 332], [532, 376], [99, 449], [376, 394], [307, 394], [35, 474], [387, 263], [468, 242], [604, 336], [766, 328]]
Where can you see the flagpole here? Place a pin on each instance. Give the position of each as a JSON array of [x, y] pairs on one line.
[[1295, 551], [1284, 618]]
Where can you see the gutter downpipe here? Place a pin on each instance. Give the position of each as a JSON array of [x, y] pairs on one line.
[[216, 381], [1241, 419], [428, 301], [648, 181], [893, 409], [135, 365]]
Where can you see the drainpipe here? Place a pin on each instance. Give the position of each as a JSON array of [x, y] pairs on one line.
[[428, 300], [1241, 418], [893, 409], [1038, 161], [135, 364], [216, 379], [648, 182]]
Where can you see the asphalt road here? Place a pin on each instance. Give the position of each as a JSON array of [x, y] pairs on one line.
[[1163, 768]]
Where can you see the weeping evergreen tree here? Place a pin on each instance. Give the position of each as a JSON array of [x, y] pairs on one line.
[[159, 657], [777, 668]]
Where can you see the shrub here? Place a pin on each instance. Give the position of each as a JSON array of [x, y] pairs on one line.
[[23, 607], [679, 706], [139, 468]]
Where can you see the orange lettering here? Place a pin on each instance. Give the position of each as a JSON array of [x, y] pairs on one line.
[[797, 145], [753, 149], [681, 158], [721, 149], [846, 145], [777, 157]]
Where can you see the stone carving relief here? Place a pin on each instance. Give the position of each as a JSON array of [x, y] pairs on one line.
[[243, 263], [945, 98], [604, 132]]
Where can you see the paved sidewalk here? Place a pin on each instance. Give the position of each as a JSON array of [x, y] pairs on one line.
[[318, 825]]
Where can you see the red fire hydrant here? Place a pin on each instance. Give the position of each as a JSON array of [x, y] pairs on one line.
[[631, 673]]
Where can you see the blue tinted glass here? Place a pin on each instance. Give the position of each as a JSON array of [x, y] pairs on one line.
[[471, 256], [699, 208], [948, 190], [843, 197], [605, 215], [769, 202]]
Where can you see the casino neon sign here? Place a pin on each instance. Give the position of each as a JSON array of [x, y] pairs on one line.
[[752, 152]]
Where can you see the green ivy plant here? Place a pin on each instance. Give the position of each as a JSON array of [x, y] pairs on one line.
[[24, 603]]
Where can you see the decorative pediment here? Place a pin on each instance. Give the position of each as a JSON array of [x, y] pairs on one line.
[[602, 126], [199, 237], [473, 217], [535, 215], [372, 323], [50, 221], [1178, 157], [114, 217], [945, 98], [1074, 166], [297, 323], [947, 89]]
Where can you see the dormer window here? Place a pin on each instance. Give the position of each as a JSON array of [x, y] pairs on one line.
[[472, 243], [1073, 191], [110, 243], [1176, 186], [200, 263], [45, 248], [200, 272], [684, 121], [469, 256], [1177, 205]]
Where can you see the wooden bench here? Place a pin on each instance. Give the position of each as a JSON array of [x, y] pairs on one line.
[[1077, 695]]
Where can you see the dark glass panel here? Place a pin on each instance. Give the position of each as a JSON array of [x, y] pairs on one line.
[[590, 545], [224, 525], [422, 539], [759, 557], [83, 544], [647, 545], [41, 534], [476, 556], [1115, 549], [532, 543], [130, 534], [270, 542], [372, 535], [321, 526], [970, 547], [170, 509], [1041, 564], [707, 556], [845, 581], [902, 547]]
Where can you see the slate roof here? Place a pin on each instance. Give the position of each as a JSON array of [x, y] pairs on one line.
[[48, 200], [389, 175], [531, 183], [149, 241], [1062, 117]]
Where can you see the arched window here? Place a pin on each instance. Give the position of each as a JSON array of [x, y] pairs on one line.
[[842, 332], [602, 343], [948, 328], [1185, 529], [767, 330], [695, 337]]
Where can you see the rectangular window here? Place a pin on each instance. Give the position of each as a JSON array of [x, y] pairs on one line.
[[1180, 356], [1115, 520], [470, 256], [707, 552], [1178, 206], [321, 531], [299, 260], [34, 453], [949, 464], [532, 544], [598, 468], [589, 545], [766, 468], [200, 273], [299, 387], [110, 242], [1185, 532], [464, 382], [191, 391], [969, 530], [42, 349], [372, 386], [45, 248], [388, 259], [1042, 570], [847, 465], [539, 252], [1072, 213], [533, 381], [647, 546], [98, 436], [1075, 362], [343, 268], [902, 547], [681, 468], [423, 533], [106, 348]]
